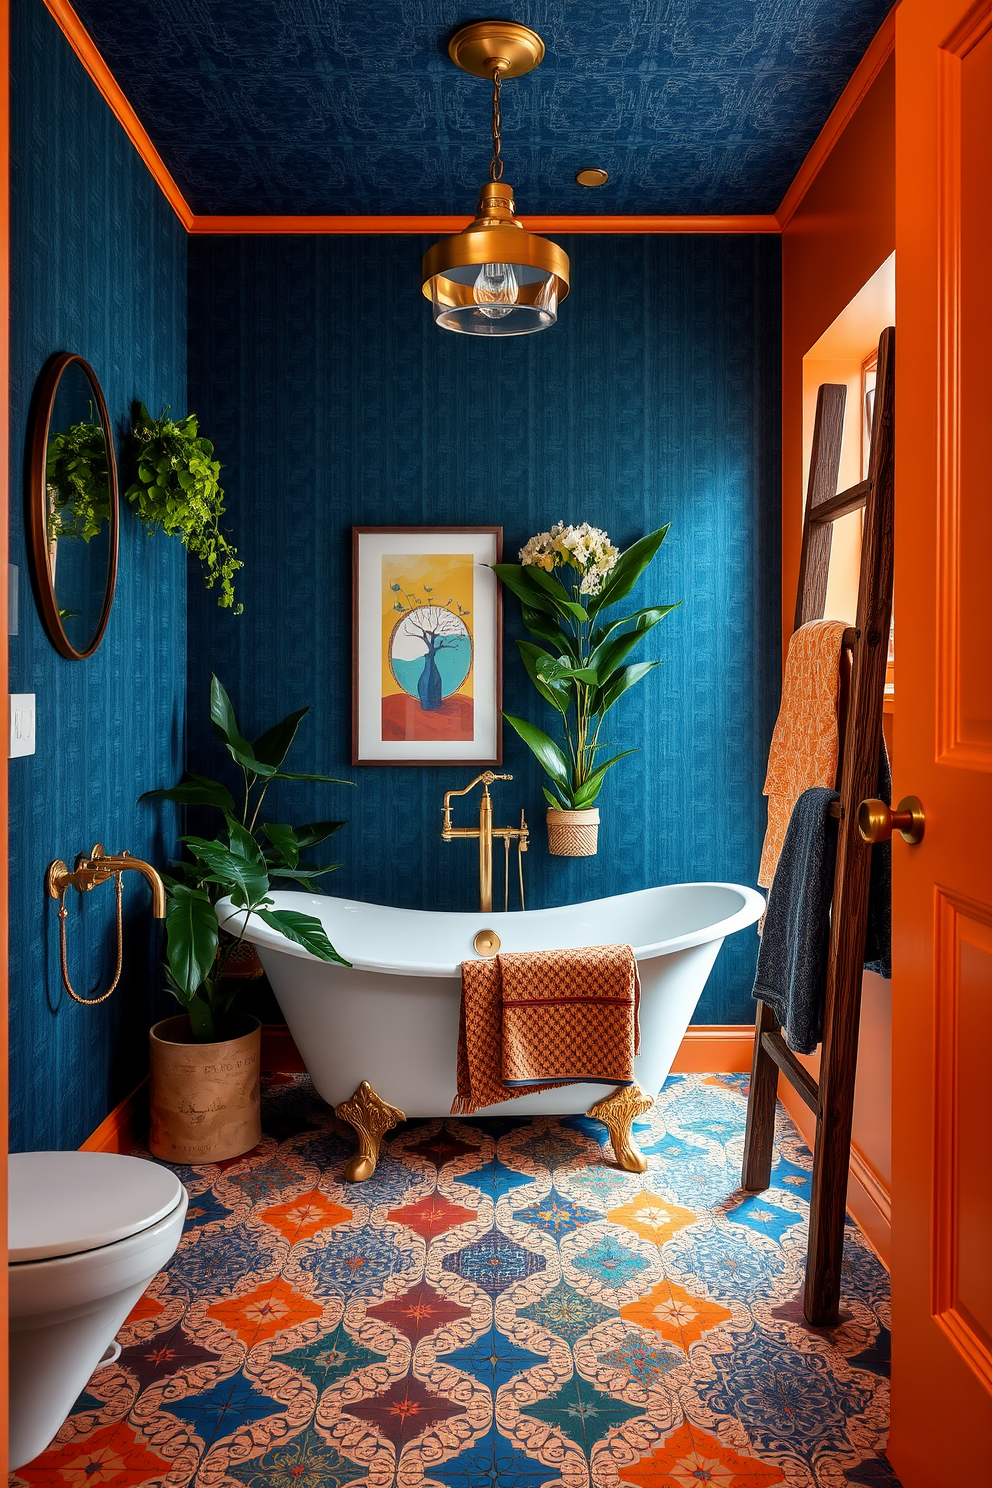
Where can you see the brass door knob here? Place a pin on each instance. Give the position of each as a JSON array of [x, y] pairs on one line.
[[877, 822]]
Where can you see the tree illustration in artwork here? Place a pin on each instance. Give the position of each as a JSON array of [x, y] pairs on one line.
[[430, 649]]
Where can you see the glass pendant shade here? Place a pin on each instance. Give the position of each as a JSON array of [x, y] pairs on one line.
[[495, 279]]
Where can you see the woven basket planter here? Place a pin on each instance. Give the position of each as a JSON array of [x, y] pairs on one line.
[[204, 1097], [573, 834]]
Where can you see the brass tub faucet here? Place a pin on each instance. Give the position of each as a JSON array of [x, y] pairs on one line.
[[485, 832], [90, 871]]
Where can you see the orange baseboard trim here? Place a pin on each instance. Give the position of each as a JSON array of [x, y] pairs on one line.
[[879, 51], [715, 1049], [365, 226], [126, 1125]]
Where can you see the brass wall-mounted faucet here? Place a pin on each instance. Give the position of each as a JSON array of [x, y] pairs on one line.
[[88, 873], [97, 869], [485, 832]]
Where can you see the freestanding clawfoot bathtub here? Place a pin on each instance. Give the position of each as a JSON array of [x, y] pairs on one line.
[[385, 1029]]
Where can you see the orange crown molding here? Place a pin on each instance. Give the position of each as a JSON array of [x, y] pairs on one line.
[[366, 225], [879, 51], [85, 49]]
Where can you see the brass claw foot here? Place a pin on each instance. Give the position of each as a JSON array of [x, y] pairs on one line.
[[619, 1111], [372, 1118]]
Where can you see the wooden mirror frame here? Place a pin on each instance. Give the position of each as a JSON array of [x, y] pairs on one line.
[[41, 416]]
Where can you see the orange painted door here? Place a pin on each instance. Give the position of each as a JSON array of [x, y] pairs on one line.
[[942, 889]]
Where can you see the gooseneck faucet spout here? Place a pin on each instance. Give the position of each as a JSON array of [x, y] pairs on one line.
[[98, 868], [485, 832]]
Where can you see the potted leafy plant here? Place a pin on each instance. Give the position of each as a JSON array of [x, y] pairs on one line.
[[566, 579], [205, 1062], [177, 491]]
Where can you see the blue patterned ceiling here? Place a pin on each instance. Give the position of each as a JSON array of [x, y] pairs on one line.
[[352, 106]]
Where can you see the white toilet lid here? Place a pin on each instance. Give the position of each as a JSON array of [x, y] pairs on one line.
[[62, 1203]]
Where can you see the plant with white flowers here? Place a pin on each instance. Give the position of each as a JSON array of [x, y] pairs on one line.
[[565, 579]]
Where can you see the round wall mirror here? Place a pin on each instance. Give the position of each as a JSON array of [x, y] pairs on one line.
[[73, 516]]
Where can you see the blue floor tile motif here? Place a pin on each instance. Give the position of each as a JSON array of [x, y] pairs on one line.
[[499, 1306]]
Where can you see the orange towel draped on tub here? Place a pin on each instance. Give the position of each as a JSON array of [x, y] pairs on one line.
[[806, 742], [534, 1020]]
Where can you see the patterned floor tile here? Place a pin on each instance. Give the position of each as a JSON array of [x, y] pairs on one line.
[[498, 1307]]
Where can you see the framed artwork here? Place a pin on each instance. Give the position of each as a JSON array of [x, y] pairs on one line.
[[427, 641]]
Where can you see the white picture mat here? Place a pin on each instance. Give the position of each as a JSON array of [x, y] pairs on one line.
[[372, 548]]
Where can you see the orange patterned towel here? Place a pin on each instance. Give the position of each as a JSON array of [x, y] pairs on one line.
[[535, 1020], [806, 742]]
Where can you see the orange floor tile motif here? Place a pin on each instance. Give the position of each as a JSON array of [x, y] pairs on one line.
[[498, 1307]]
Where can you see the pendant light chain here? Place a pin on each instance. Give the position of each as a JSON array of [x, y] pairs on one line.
[[496, 163]]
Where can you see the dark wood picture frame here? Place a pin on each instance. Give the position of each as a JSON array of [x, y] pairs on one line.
[[481, 762], [37, 514]]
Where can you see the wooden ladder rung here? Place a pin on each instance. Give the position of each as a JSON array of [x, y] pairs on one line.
[[797, 1074], [841, 504]]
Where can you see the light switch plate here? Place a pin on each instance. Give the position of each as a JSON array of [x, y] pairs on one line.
[[21, 724]]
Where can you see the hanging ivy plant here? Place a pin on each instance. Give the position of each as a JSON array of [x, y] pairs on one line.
[[78, 483], [177, 491]]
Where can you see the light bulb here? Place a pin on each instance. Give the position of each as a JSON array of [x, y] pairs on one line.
[[496, 286]]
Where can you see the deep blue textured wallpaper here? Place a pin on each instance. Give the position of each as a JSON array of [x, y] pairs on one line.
[[98, 267], [353, 105], [333, 400]]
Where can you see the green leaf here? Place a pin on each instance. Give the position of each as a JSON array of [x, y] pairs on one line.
[[312, 870], [640, 618], [244, 880], [545, 750], [273, 746], [246, 759], [516, 579], [629, 567], [223, 719], [283, 839], [243, 845], [555, 669], [197, 790], [330, 779], [191, 933], [622, 682], [547, 628], [550, 689], [586, 793], [314, 832], [305, 930], [555, 590], [554, 801]]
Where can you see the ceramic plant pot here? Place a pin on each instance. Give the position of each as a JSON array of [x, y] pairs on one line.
[[204, 1097], [573, 834]]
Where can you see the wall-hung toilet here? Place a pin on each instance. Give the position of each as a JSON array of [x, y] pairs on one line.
[[88, 1231]]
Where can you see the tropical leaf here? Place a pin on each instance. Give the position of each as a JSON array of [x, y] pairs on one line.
[[555, 670], [516, 578], [273, 746], [314, 832], [548, 628], [330, 779], [305, 930], [622, 682], [555, 801], [223, 719], [245, 880], [585, 794], [284, 840], [545, 750], [641, 619], [552, 691], [555, 590], [311, 870], [629, 567], [191, 928], [196, 790]]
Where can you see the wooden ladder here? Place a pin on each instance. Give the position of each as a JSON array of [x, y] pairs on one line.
[[831, 1099]]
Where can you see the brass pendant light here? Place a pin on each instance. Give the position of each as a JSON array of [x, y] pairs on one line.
[[494, 278]]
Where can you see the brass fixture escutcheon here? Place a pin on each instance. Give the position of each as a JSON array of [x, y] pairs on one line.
[[877, 822], [487, 942]]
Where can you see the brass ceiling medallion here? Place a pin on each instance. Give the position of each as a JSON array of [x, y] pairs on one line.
[[592, 175], [494, 278]]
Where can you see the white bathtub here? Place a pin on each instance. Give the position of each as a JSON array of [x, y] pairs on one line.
[[392, 1017]]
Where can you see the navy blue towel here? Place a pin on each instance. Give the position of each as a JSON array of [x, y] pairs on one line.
[[792, 962]]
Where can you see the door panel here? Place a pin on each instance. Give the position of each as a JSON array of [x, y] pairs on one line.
[[942, 889]]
